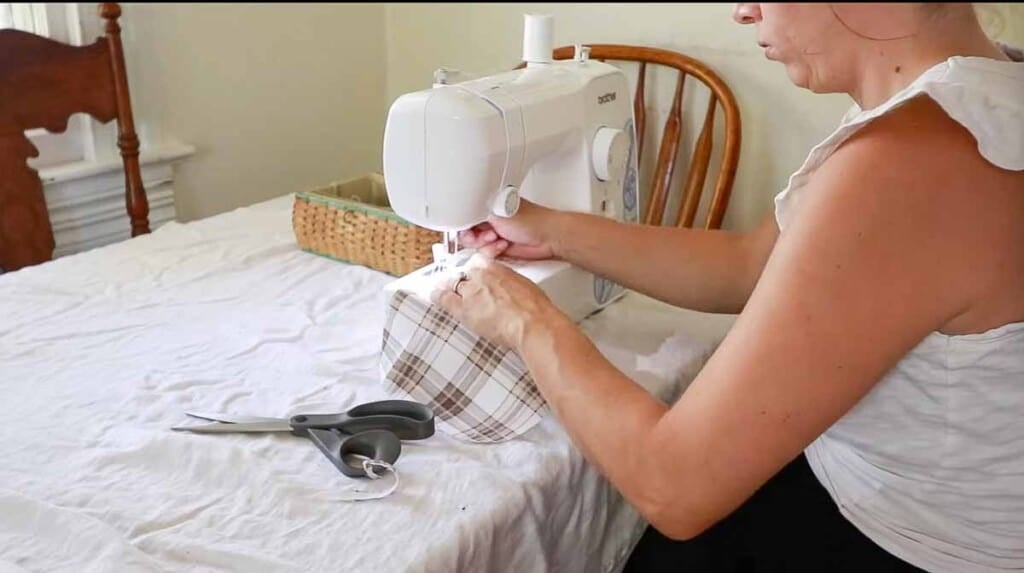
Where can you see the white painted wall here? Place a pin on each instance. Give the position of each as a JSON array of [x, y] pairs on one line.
[[275, 97], [780, 122], [281, 97]]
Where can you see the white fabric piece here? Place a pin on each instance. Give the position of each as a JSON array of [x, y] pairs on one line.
[[678, 359], [101, 353], [930, 464]]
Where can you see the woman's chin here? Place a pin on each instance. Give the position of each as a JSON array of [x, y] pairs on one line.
[[798, 76], [801, 77]]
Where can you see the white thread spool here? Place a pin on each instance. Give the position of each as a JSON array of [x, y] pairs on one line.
[[538, 39]]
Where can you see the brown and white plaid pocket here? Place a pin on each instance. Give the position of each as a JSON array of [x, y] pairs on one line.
[[479, 391]]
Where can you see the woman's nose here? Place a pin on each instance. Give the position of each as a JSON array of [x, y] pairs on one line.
[[747, 13]]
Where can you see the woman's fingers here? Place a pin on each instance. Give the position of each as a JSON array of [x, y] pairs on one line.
[[444, 296], [494, 249], [468, 238], [479, 235]]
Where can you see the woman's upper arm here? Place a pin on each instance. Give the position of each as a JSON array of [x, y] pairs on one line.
[[757, 246], [850, 287]]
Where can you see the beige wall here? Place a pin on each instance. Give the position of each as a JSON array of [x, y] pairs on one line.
[[1003, 21], [276, 98], [780, 122]]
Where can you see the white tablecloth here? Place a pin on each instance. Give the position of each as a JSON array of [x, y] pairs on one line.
[[102, 352]]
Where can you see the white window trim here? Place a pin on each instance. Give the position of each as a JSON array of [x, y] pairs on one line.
[[86, 199]]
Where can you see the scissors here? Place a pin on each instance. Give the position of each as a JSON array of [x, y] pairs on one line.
[[372, 431]]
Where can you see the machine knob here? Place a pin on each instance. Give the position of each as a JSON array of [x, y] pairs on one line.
[[507, 202], [608, 146]]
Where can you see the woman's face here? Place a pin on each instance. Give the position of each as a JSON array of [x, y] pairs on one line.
[[822, 44], [800, 36]]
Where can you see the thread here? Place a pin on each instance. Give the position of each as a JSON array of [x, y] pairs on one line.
[[372, 467]]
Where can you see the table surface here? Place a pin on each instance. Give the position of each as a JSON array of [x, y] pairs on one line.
[[102, 352]]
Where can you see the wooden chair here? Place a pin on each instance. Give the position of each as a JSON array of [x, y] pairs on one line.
[[664, 169], [42, 83]]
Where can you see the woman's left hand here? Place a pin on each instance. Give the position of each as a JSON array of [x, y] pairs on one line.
[[496, 302]]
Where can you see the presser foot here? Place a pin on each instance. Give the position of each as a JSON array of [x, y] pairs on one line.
[[447, 254]]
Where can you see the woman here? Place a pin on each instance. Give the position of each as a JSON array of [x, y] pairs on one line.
[[865, 411]]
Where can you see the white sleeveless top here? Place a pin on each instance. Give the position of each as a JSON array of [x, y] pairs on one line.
[[930, 464]]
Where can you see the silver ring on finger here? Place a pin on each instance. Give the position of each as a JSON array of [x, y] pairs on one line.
[[462, 278]]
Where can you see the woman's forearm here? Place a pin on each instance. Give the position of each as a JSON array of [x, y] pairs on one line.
[[704, 270]]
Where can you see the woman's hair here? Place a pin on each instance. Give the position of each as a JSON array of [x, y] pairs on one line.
[[1012, 52]]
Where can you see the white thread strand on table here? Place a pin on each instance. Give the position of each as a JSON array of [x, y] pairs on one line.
[[368, 467]]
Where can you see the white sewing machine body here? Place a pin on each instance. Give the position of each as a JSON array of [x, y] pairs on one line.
[[557, 133]]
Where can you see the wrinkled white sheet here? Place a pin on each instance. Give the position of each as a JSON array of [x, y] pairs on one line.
[[102, 352]]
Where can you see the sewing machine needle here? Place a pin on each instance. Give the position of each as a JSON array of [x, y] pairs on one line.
[[451, 239], [447, 250]]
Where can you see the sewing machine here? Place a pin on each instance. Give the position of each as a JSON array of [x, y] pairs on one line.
[[557, 133]]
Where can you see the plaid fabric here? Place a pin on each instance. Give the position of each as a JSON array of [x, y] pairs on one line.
[[479, 391]]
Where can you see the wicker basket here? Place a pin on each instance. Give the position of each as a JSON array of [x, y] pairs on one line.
[[353, 222]]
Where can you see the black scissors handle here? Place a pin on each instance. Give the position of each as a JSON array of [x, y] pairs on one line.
[[405, 419], [347, 452]]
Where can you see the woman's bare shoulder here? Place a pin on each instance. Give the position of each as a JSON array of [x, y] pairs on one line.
[[918, 134], [918, 177]]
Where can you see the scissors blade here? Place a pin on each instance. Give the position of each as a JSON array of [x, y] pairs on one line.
[[230, 419], [219, 428]]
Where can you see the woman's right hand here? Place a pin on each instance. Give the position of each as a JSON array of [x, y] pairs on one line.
[[526, 235]]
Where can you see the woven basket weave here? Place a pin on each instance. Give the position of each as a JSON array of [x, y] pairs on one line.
[[353, 222]]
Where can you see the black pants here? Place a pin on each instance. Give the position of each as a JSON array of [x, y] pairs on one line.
[[789, 524]]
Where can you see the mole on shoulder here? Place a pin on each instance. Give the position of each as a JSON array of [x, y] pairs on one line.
[[897, 69]]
